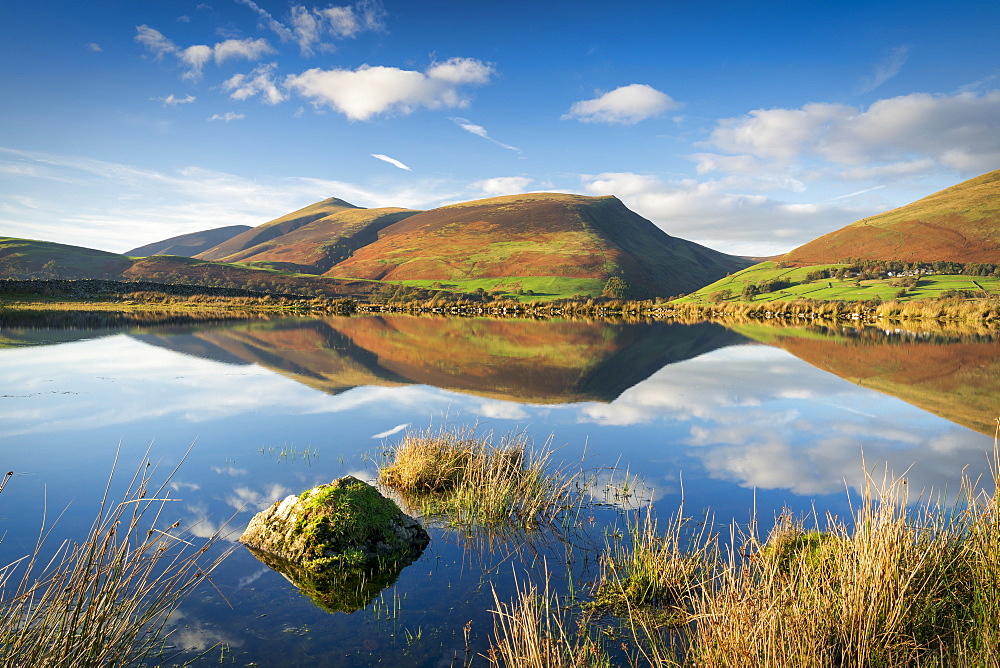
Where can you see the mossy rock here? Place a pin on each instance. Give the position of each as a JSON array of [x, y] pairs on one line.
[[346, 524], [338, 588]]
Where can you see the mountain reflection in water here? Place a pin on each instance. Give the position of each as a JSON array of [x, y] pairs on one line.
[[529, 361]]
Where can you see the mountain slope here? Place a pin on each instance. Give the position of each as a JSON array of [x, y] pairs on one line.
[[539, 234], [21, 258], [310, 240], [958, 224], [189, 245]]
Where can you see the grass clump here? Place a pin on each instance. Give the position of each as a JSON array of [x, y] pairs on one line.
[[652, 573], [471, 481], [534, 631], [895, 584], [103, 601]]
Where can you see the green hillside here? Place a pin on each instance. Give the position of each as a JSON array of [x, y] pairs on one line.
[[774, 281]]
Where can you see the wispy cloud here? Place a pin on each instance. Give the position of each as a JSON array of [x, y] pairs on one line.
[[93, 46], [626, 105], [228, 116], [196, 56], [113, 206], [886, 69], [391, 161], [312, 28], [172, 100], [480, 131]]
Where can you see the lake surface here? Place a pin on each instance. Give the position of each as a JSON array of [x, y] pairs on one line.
[[742, 422]]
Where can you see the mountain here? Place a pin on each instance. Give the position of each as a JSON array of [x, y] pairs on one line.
[[29, 258], [957, 224], [544, 244], [189, 245], [310, 240], [537, 235]]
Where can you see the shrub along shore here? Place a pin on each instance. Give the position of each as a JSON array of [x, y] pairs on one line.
[[122, 296]]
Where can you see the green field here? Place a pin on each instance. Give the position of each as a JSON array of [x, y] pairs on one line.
[[545, 288], [927, 286]]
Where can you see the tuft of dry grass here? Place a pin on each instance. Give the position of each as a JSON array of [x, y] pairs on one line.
[[103, 601], [535, 632], [895, 584], [455, 474]]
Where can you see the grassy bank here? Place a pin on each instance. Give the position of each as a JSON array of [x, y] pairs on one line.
[[892, 585]]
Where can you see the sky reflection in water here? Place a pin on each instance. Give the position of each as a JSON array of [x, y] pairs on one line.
[[733, 424]]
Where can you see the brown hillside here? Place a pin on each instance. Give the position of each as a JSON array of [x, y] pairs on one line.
[[189, 245], [310, 240], [541, 234], [958, 224], [316, 246]]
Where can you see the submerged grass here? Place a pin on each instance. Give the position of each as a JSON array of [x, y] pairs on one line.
[[465, 478], [103, 601], [895, 584]]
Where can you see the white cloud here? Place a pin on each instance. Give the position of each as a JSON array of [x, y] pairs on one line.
[[391, 161], [959, 132], [228, 116], [172, 100], [368, 91], [624, 106], [503, 185], [93, 46], [461, 71], [885, 70], [249, 49], [391, 432], [480, 131], [726, 214], [196, 56], [258, 82]]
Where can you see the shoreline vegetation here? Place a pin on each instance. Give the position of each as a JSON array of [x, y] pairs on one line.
[[107, 599], [899, 581], [155, 302]]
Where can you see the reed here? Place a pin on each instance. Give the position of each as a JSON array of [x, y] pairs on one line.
[[534, 631], [105, 600], [465, 478], [894, 584]]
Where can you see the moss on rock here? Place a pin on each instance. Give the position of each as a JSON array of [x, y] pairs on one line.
[[336, 536]]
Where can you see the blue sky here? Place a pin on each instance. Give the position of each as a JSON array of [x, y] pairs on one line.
[[748, 127]]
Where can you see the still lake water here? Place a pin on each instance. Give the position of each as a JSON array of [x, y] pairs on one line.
[[738, 420]]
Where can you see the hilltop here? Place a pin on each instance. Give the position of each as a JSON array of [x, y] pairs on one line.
[[537, 236], [310, 240], [957, 224], [942, 246], [189, 245]]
